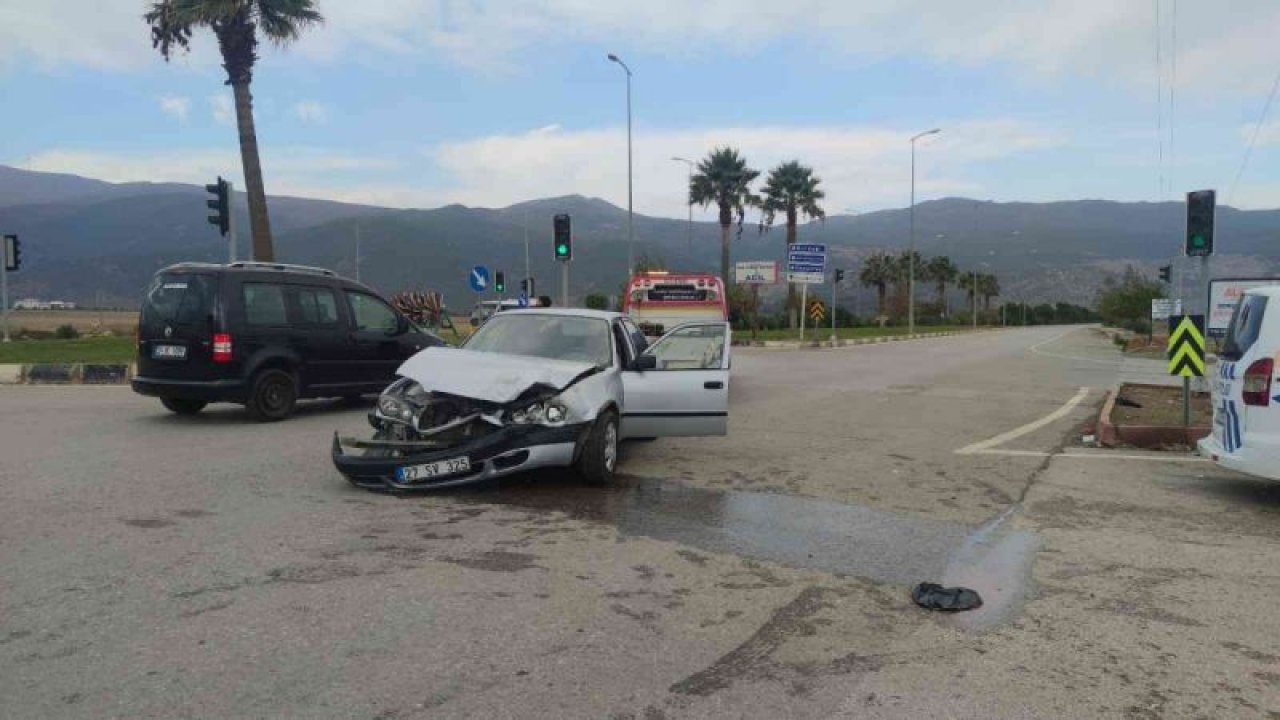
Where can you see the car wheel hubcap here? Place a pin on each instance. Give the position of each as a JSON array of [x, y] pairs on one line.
[[610, 446]]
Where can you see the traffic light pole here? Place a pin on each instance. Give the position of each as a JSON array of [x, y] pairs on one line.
[[4, 293], [231, 229], [564, 283], [833, 311]]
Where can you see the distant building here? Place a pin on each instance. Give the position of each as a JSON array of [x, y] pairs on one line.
[[37, 304]]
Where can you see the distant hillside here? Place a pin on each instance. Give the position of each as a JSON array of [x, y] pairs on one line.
[[85, 239]]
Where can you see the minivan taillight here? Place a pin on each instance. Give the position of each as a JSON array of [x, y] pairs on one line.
[[1257, 382], [222, 347]]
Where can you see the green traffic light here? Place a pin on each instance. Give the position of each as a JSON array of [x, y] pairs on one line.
[[562, 249], [1197, 241]]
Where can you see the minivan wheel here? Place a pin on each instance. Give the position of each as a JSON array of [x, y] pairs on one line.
[[275, 393], [599, 457], [183, 406]]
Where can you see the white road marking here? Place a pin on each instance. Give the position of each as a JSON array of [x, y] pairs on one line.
[[1101, 455], [1030, 427], [1035, 349]]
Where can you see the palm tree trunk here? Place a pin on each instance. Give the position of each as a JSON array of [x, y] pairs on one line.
[[724, 254], [793, 302], [259, 223], [880, 295]]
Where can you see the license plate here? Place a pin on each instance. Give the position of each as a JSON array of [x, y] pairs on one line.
[[426, 471], [169, 352]]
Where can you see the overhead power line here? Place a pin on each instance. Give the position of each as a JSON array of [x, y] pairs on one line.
[[1257, 129]]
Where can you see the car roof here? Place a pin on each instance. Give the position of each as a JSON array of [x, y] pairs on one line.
[[249, 269], [569, 312]]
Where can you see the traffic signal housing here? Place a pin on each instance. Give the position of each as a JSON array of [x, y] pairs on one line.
[[500, 282], [220, 209], [839, 275], [12, 253], [563, 237], [1166, 273], [1200, 215]]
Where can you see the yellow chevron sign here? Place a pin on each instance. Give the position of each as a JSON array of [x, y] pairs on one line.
[[817, 311], [1186, 345]]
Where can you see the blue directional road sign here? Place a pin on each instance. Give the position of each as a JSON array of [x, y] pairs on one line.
[[479, 278], [522, 300], [806, 263]]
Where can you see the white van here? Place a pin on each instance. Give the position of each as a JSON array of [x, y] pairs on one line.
[[486, 309], [1246, 391]]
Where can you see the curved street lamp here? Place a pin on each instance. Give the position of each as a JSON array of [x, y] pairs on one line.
[[911, 258], [630, 233]]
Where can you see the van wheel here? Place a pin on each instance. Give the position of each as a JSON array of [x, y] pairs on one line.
[[181, 406], [599, 457], [275, 393]]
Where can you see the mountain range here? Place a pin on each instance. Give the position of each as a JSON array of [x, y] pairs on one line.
[[96, 242]]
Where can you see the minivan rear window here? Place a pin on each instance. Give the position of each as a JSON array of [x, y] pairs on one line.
[[1246, 325], [178, 299]]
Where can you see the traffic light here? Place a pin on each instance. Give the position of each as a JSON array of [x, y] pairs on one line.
[[12, 253], [221, 210], [1200, 211], [839, 275], [563, 238], [1166, 273], [500, 281]]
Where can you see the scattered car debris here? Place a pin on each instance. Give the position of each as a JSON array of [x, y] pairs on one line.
[[1123, 401], [933, 596]]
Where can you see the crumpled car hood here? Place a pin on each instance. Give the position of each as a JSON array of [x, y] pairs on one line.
[[491, 377]]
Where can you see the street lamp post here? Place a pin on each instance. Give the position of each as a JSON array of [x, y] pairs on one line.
[[911, 258], [690, 164], [630, 235]]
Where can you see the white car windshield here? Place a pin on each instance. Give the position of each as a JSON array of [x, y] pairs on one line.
[[557, 337]]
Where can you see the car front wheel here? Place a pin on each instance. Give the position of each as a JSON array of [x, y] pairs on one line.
[[182, 406], [275, 393], [600, 455]]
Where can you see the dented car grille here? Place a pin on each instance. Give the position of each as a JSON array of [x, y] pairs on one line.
[[448, 421]]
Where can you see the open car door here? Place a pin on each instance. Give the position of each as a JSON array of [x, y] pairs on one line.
[[684, 391]]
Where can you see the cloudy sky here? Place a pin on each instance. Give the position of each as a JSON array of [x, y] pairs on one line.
[[419, 103]]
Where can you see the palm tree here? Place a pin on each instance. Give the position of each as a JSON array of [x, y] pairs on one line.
[[988, 287], [878, 271], [902, 278], [236, 24], [792, 189], [723, 178], [942, 271], [968, 282]]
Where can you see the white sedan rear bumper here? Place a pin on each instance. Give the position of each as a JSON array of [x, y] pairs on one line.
[[1248, 460]]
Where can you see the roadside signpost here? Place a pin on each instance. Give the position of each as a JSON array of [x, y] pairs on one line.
[[817, 311], [478, 278], [12, 261], [522, 300], [806, 265], [1186, 355], [756, 272], [1161, 310]]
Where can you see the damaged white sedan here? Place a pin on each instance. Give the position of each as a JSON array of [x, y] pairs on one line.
[[540, 388]]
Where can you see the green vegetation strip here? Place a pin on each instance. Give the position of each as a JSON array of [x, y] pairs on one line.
[[846, 333], [80, 350]]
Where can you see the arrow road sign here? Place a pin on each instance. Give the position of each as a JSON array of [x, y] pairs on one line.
[[522, 300], [817, 311], [806, 263], [479, 278], [1186, 345]]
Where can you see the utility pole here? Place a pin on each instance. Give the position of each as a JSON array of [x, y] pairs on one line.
[[911, 258], [357, 252], [973, 278], [231, 221]]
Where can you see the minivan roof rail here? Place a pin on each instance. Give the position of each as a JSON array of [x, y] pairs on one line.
[[282, 266]]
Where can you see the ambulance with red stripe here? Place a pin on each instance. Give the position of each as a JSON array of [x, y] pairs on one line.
[[1246, 389], [659, 300]]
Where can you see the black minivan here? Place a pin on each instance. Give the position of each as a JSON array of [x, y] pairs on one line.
[[265, 335]]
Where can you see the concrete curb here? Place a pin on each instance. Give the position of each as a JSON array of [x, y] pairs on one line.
[[1150, 437], [819, 344], [67, 374]]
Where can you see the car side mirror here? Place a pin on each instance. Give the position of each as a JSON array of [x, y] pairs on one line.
[[645, 362], [402, 326]]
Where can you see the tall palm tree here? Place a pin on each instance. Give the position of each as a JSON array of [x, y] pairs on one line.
[[236, 24], [902, 278], [723, 178], [942, 271], [988, 287], [878, 271], [791, 189], [968, 282]]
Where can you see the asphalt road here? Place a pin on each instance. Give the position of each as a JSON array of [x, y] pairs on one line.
[[155, 566]]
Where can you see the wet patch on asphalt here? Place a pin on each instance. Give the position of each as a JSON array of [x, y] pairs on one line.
[[495, 561]]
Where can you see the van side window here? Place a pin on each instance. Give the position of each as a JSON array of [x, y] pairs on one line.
[[316, 306], [371, 313], [264, 304]]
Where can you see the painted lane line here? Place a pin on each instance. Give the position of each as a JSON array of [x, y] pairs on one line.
[[1105, 455], [1035, 350], [1028, 428]]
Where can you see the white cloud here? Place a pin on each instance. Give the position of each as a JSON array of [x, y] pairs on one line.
[[223, 109], [311, 112], [177, 107], [1221, 45]]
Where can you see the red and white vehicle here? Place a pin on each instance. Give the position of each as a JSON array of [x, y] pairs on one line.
[[659, 301]]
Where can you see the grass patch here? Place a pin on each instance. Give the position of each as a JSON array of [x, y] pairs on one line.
[[824, 333], [81, 350]]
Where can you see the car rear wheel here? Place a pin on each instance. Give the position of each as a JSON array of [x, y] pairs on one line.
[[599, 457], [182, 406], [275, 393]]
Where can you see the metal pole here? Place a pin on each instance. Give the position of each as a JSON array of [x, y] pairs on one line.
[[631, 265], [231, 222], [564, 284], [804, 304], [833, 310], [690, 213], [911, 257], [357, 252], [973, 278], [4, 288], [528, 290], [1186, 402]]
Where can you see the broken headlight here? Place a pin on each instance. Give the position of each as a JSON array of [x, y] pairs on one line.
[[549, 412], [401, 401]]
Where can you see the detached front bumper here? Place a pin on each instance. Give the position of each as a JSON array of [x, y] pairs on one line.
[[506, 451]]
